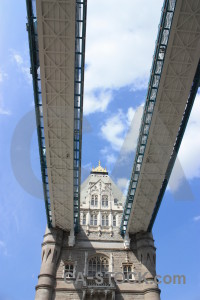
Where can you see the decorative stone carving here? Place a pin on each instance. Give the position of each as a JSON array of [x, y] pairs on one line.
[[127, 241]]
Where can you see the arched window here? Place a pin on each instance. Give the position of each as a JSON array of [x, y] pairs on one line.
[[94, 200], [93, 219], [105, 221], [69, 270], [105, 201], [84, 219], [98, 264], [127, 269], [114, 221]]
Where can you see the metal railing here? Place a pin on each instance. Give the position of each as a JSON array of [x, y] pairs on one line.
[[155, 74], [81, 9], [106, 283], [188, 109], [80, 31], [35, 71]]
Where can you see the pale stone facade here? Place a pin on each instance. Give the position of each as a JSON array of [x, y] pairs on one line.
[[98, 247]]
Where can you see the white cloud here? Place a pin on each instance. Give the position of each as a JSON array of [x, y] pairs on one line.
[[197, 218], [134, 122], [122, 183], [18, 59], [2, 75], [188, 164], [3, 248], [3, 111], [121, 131], [27, 75], [120, 44], [109, 157], [130, 114], [87, 166], [22, 66], [94, 103], [115, 129]]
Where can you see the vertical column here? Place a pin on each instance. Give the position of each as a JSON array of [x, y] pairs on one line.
[[87, 218], [51, 247], [110, 219], [86, 264], [99, 219], [146, 253], [99, 223], [111, 266], [111, 223]]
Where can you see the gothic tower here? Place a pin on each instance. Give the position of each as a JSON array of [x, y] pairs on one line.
[[98, 263]]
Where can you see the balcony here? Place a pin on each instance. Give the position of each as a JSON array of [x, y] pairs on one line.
[[102, 288]]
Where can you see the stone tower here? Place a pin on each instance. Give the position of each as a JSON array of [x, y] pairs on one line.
[[98, 263]]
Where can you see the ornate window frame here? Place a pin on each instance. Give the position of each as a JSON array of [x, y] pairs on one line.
[[98, 263], [93, 219], [127, 268], [104, 220], [115, 201], [104, 201], [94, 200], [114, 220], [69, 266], [84, 218]]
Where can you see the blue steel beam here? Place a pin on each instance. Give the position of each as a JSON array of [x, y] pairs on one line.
[[80, 33], [193, 92], [81, 10], [156, 70], [35, 71], [163, 36]]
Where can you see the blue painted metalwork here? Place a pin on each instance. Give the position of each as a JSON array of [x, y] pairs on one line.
[[190, 102], [81, 9], [156, 70], [35, 71], [80, 31]]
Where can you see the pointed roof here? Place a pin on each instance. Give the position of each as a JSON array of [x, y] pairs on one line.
[[99, 170], [95, 178]]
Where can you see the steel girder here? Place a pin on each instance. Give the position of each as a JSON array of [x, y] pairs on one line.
[[172, 87]]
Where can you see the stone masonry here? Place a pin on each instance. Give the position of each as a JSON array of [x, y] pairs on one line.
[[70, 265]]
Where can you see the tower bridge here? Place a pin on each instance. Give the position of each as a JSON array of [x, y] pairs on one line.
[[114, 236], [57, 49], [172, 88]]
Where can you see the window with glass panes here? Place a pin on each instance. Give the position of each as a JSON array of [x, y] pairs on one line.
[[94, 200], [98, 264], [127, 269], [105, 220], [114, 221], [104, 200], [93, 219], [69, 270], [84, 219]]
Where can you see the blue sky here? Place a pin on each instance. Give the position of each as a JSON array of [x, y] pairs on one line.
[[120, 44]]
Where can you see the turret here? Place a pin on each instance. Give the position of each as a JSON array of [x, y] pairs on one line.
[[51, 247]]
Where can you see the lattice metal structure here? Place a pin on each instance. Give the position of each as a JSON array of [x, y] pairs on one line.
[[57, 48], [173, 84]]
